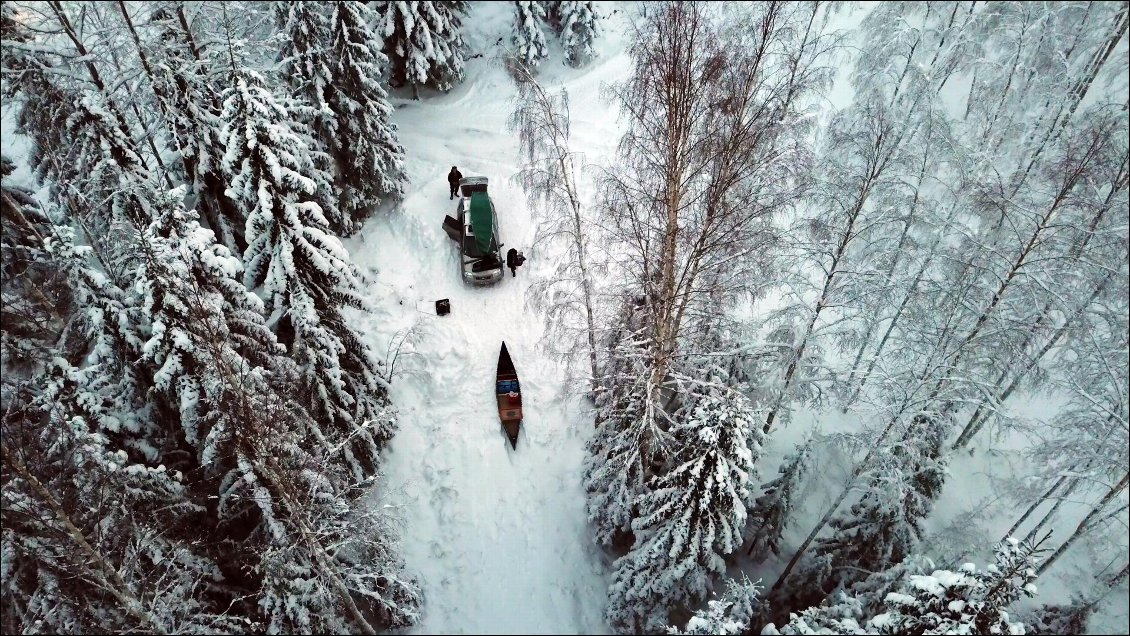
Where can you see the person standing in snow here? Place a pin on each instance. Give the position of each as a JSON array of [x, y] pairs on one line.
[[453, 178], [514, 260]]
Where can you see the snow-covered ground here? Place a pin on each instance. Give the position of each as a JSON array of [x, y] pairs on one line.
[[497, 536]]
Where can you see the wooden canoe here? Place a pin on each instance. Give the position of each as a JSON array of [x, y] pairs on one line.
[[509, 396]]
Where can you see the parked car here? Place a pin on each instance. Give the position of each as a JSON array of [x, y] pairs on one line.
[[475, 230]]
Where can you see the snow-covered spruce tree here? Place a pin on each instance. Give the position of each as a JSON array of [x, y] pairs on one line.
[[334, 63], [871, 592], [35, 302], [549, 179], [216, 365], [305, 273], [729, 615], [109, 157], [773, 509], [304, 63], [967, 601], [692, 515], [198, 309], [65, 141], [1064, 620], [1073, 617], [189, 107], [423, 41], [841, 614], [321, 563], [526, 36], [107, 333], [881, 529], [577, 26], [619, 455], [369, 157], [96, 538]]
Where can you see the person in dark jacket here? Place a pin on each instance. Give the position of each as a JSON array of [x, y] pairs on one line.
[[514, 260], [453, 178]]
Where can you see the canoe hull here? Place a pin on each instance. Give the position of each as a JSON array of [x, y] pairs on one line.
[[508, 393]]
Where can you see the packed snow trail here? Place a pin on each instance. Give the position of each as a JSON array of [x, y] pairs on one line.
[[497, 536]]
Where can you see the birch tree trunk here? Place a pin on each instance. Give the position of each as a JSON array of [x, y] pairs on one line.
[[1084, 525]]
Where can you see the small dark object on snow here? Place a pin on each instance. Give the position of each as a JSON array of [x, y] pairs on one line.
[[514, 260], [443, 307]]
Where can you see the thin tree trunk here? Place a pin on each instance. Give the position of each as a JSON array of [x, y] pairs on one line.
[[1007, 84], [1050, 514], [826, 290], [1018, 263], [981, 414], [1032, 508], [1084, 525], [1078, 92], [872, 324], [189, 39], [88, 62], [160, 101]]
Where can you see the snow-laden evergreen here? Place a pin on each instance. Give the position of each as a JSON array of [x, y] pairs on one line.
[[526, 36], [577, 25], [839, 615], [1069, 619], [968, 601], [691, 517], [305, 64], [369, 157], [729, 615], [424, 41], [306, 275], [775, 507], [329, 568], [198, 310], [621, 451], [135, 538], [218, 368], [188, 101], [84, 434], [332, 58], [109, 331], [879, 530], [34, 297], [950, 271], [965, 601]]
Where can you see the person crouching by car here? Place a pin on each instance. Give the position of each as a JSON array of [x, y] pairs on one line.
[[453, 178], [514, 260]]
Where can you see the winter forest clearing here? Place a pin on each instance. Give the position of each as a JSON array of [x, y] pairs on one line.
[[823, 327]]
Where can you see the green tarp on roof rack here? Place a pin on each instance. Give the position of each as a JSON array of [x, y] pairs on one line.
[[482, 222]]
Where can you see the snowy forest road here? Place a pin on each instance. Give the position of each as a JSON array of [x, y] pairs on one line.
[[497, 536]]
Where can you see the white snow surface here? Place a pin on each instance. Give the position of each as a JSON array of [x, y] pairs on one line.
[[498, 537]]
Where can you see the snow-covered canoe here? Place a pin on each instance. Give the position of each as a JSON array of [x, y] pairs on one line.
[[509, 394]]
